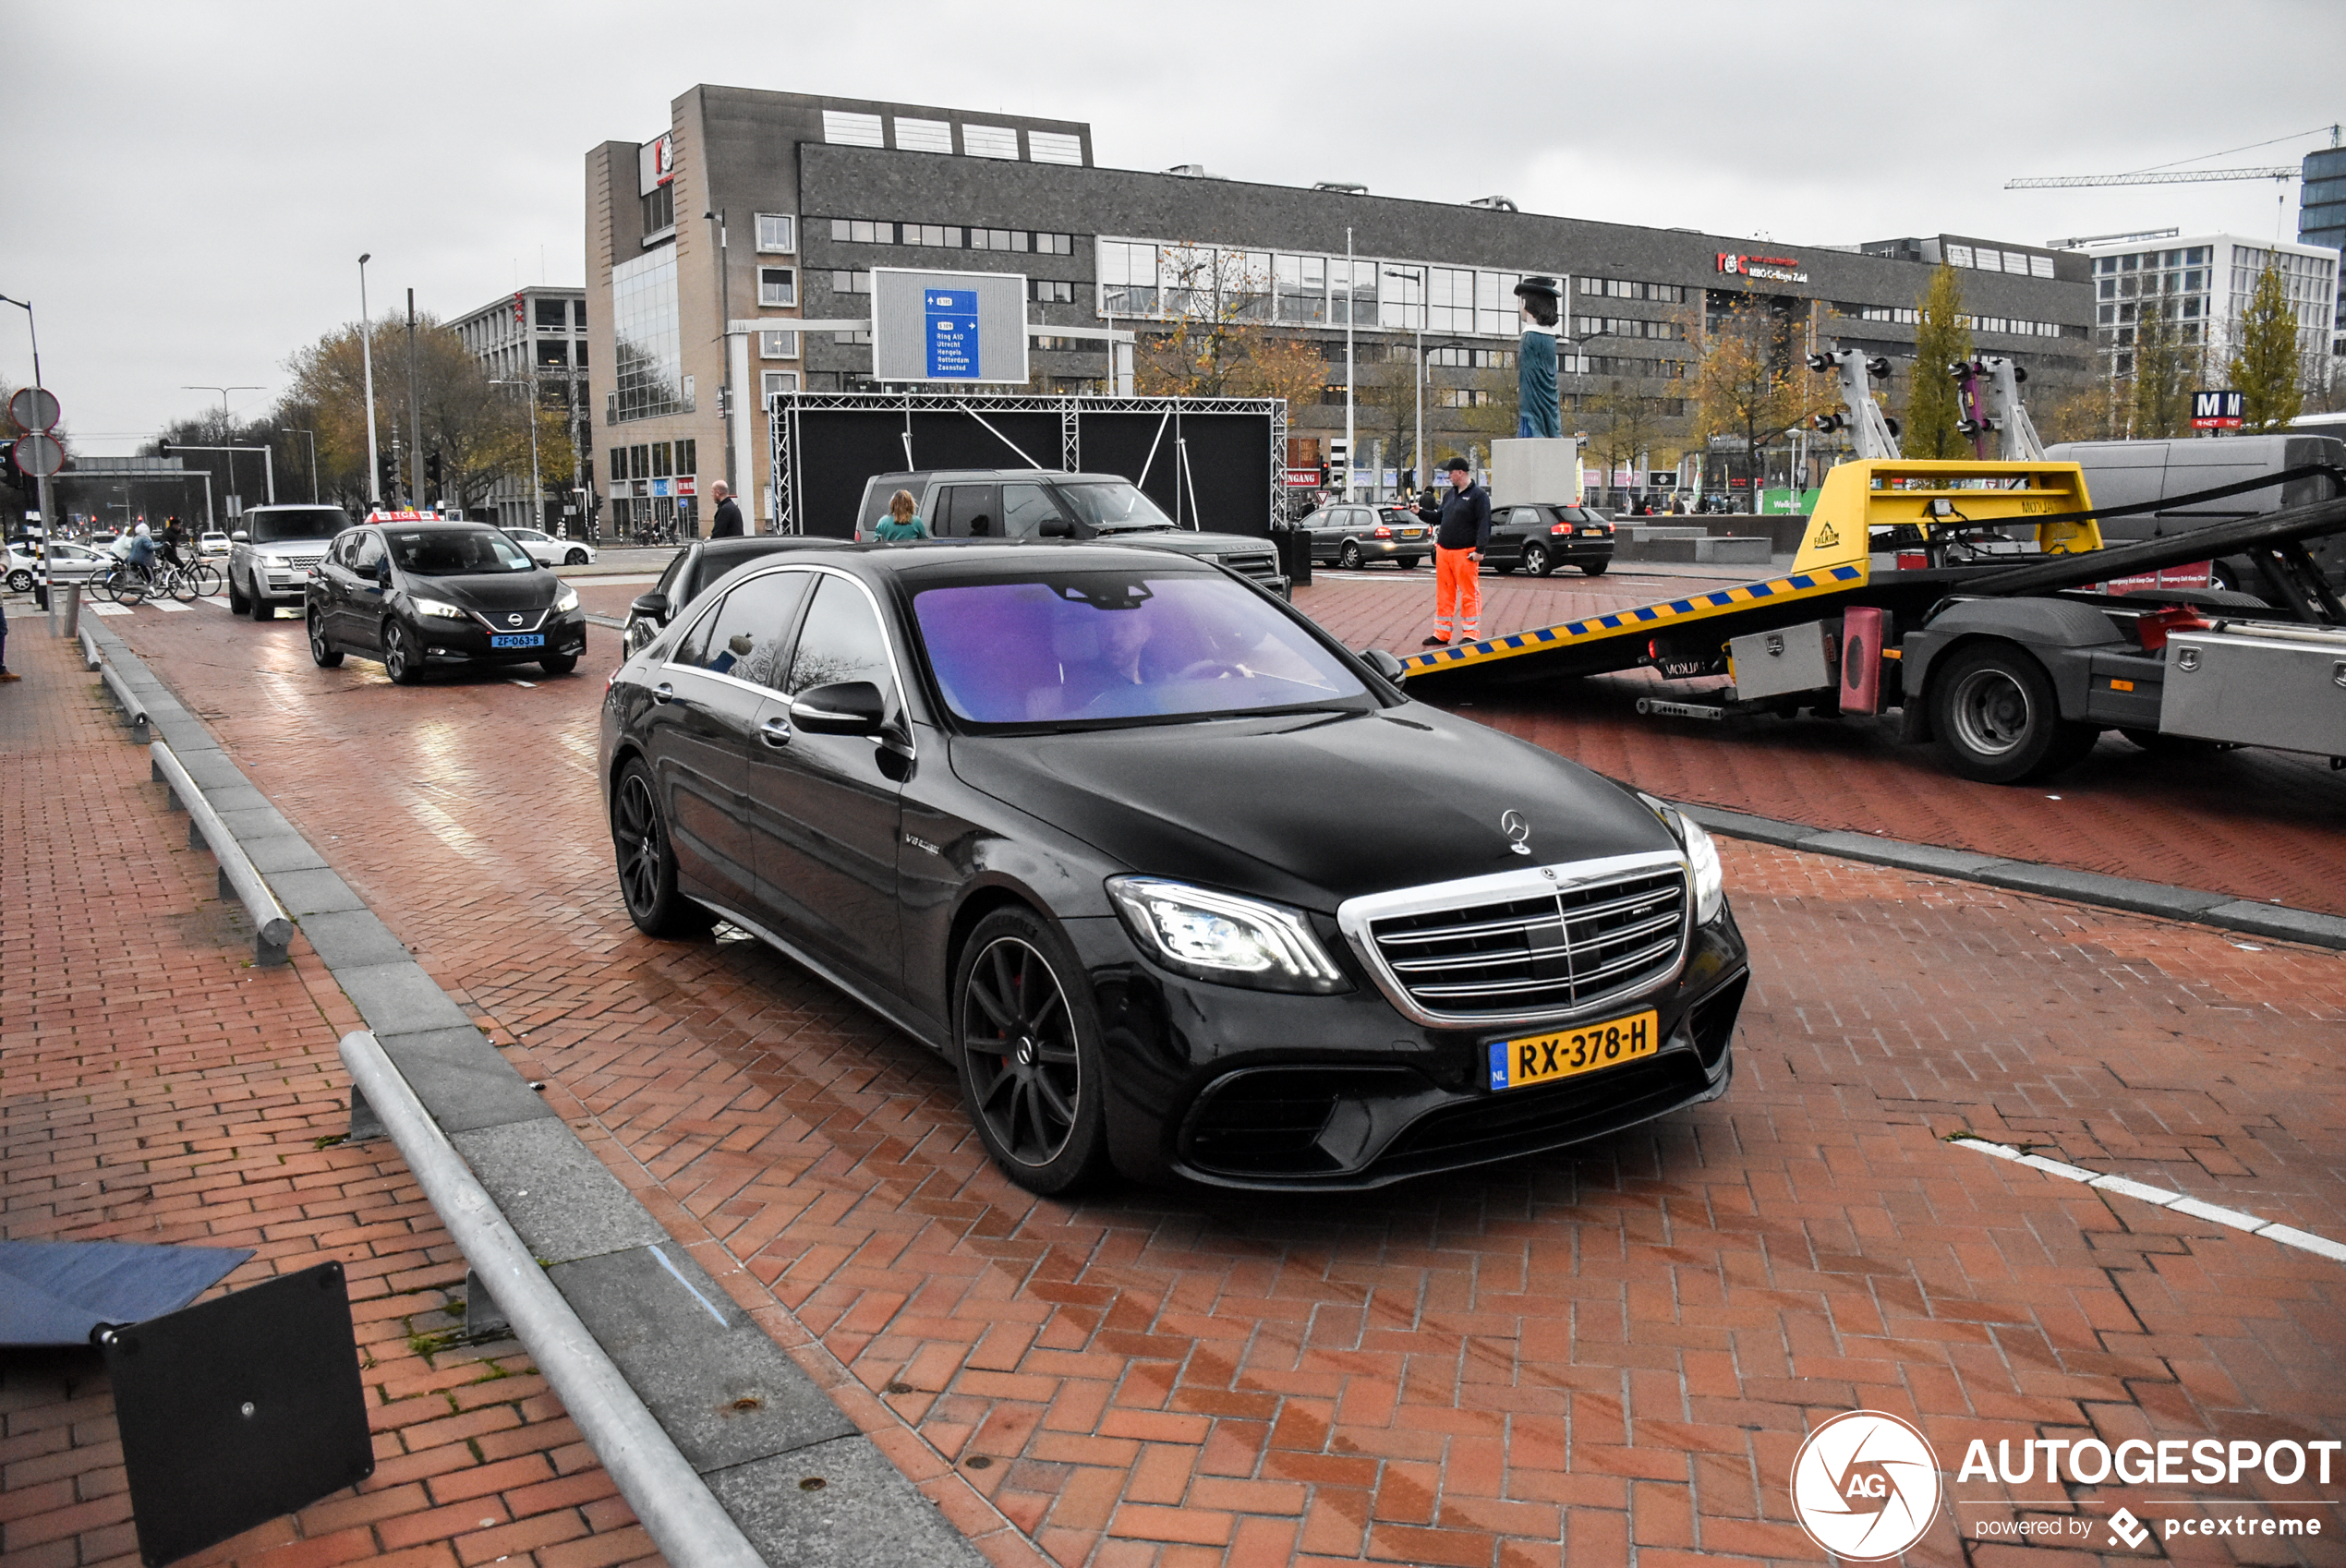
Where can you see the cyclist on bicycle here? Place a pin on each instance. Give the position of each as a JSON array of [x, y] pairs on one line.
[[140, 557], [174, 534]]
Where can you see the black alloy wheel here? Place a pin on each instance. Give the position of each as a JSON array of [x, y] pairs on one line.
[[576, 557], [1994, 710], [322, 652], [1536, 560], [1349, 555], [1029, 1055], [403, 661], [648, 859]]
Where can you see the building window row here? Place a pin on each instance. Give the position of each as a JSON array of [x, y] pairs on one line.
[[655, 460], [1155, 278], [1620, 365], [1050, 291], [1987, 259], [1460, 358], [950, 236], [1630, 288], [659, 210], [2150, 260], [1624, 327], [914, 135]]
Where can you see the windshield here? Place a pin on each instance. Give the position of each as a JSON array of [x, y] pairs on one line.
[[1106, 647], [296, 523], [456, 552], [1110, 504]]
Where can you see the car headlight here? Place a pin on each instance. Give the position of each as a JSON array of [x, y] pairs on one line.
[[1222, 937], [566, 601], [437, 609], [1702, 857]]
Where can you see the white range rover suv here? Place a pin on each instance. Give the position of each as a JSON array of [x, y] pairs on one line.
[[271, 552]]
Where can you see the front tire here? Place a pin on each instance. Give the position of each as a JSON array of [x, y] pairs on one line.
[[262, 609], [559, 664], [576, 557], [1995, 713], [205, 580], [237, 603], [403, 660], [322, 652], [20, 582], [646, 858], [1027, 1045], [1536, 560], [1349, 555]]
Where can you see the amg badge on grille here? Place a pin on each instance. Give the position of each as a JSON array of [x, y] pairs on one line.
[[1517, 828]]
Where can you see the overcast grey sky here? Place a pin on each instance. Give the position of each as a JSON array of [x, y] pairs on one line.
[[191, 184]]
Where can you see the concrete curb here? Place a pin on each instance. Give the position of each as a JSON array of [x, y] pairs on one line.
[[751, 1427], [273, 928], [2224, 912]]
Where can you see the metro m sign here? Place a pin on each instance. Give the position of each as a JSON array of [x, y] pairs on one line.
[[2216, 411]]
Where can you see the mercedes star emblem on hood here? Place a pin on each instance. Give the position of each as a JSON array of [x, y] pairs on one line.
[[1517, 828]]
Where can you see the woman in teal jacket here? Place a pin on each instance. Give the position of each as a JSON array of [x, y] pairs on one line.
[[902, 523]]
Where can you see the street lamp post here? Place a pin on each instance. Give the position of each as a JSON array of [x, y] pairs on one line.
[[288, 429], [536, 492], [367, 359], [414, 414], [1351, 458], [227, 431], [73, 599]]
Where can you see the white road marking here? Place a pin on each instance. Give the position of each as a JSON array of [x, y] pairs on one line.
[[511, 681], [166, 604], [2271, 1230], [94, 608]]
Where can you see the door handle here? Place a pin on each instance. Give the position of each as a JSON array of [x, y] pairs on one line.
[[775, 731], [662, 691]]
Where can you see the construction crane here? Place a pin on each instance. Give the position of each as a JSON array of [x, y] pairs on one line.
[[2166, 174]]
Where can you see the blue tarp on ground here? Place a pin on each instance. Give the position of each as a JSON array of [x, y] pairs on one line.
[[56, 1292]]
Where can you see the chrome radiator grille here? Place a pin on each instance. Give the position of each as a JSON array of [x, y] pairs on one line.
[[1523, 945]]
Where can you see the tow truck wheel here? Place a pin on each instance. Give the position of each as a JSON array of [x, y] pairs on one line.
[[1996, 714]]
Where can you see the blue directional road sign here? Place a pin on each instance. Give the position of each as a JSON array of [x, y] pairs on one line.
[[951, 315]]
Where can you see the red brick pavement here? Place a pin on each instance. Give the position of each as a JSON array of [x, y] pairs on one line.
[[1603, 1355], [2255, 823], [159, 1088]]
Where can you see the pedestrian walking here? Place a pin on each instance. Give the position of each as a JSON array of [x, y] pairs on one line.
[[5, 673], [1458, 543], [726, 523], [902, 523]]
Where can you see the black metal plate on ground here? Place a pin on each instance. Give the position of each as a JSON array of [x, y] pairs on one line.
[[236, 1411]]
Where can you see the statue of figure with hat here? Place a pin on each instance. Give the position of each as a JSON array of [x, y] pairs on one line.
[[1538, 412]]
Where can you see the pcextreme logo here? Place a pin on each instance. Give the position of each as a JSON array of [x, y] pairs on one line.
[[1865, 1485]]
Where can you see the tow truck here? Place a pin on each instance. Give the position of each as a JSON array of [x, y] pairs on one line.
[[1970, 597]]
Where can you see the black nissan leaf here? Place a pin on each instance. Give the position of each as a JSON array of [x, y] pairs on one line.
[[1073, 815], [416, 595]]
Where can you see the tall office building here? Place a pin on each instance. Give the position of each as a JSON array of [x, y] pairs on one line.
[[2202, 285], [2321, 218], [536, 339]]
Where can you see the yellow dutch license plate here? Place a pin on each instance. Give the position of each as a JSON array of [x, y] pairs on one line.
[[1543, 1058]]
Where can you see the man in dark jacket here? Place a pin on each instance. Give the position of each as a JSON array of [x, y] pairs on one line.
[[1458, 543], [726, 521]]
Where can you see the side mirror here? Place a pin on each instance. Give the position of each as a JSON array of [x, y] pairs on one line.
[[844, 708], [1383, 663], [240, 537], [651, 607], [1056, 528]]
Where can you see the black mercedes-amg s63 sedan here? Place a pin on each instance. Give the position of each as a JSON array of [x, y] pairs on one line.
[[1088, 820]]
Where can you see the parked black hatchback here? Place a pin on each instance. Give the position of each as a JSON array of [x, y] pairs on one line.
[[416, 595], [1062, 813]]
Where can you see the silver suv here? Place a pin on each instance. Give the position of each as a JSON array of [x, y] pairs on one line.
[[271, 552]]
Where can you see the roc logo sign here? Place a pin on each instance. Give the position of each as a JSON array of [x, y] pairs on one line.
[[1865, 1485], [2216, 411]]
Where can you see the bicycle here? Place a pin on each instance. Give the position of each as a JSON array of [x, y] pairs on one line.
[[188, 580]]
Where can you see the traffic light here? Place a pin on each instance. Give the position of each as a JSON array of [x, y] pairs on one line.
[[163, 448], [10, 475], [387, 466], [431, 467], [1324, 476]]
